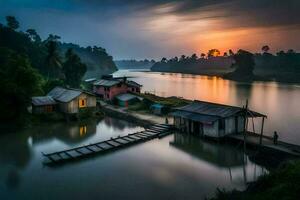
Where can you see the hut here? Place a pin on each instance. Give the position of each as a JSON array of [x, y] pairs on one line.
[[43, 104], [211, 119], [108, 87], [158, 109], [127, 99], [71, 101]]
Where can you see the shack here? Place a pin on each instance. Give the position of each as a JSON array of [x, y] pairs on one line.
[[211, 119], [71, 101], [127, 99], [42, 104]]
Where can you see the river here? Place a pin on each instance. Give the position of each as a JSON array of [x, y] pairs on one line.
[[175, 167], [280, 102]]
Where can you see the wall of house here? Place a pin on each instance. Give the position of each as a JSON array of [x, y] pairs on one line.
[[73, 106], [240, 124], [42, 109], [111, 92], [133, 89], [211, 130]]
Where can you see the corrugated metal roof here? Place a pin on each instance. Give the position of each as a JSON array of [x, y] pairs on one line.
[[107, 83], [133, 84], [42, 101], [63, 94], [195, 116], [126, 97], [220, 110]]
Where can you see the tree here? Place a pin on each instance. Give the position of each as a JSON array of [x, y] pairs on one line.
[[19, 82], [194, 57], [231, 53], [53, 60], [225, 54], [265, 48], [182, 58], [12, 22], [163, 60], [202, 55], [213, 53], [244, 63], [73, 69], [32, 34]]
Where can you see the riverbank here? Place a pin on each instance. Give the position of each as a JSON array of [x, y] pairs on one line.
[[282, 183]]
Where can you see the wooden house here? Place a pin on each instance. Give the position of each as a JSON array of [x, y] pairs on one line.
[[43, 104], [108, 88], [211, 119], [71, 101]]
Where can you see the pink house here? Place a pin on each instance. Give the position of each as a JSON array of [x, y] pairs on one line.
[[109, 88]]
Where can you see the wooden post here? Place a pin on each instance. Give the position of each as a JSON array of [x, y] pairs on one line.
[[261, 131], [246, 124]]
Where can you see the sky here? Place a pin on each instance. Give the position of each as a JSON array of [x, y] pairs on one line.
[[138, 29]]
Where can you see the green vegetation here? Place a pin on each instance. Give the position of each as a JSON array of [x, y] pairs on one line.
[[283, 183], [149, 99], [284, 66], [30, 66]]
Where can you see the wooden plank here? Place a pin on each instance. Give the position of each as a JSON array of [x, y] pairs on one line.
[[128, 139], [94, 148], [104, 145], [73, 153], [55, 157], [145, 134], [64, 156], [134, 137], [113, 143], [141, 136], [120, 140], [150, 133], [84, 151], [151, 130]]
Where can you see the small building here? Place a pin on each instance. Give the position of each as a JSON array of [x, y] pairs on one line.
[[108, 88], [71, 101], [43, 104], [127, 99], [133, 87], [211, 119], [158, 109]]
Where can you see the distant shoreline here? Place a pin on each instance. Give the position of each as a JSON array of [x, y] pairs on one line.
[[285, 80]]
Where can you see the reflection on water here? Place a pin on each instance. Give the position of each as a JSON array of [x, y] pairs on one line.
[[222, 155], [175, 167], [278, 101]]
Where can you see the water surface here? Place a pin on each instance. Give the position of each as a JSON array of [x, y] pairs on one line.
[[175, 167], [280, 102]]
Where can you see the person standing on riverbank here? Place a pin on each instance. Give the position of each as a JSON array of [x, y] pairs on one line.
[[275, 137]]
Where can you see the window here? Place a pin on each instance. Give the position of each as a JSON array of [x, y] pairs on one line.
[[82, 103], [221, 124]]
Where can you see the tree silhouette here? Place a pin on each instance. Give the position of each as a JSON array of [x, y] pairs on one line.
[[32, 34], [202, 55], [53, 60], [213, 53], [73, 69], [265, 49], [12, 22]]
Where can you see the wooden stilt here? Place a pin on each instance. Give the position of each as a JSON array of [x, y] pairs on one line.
[[261, 131]]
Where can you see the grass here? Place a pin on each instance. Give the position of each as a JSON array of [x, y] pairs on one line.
[[283, 184]]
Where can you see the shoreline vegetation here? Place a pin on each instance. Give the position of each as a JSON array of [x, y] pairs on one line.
[[241, 66], [281, 183]]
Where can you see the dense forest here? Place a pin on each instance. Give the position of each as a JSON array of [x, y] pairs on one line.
[[284, 66], [30, 66], [135, 64]]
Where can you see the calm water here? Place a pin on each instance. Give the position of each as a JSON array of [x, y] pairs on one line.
[[281, 102], [175, 167]]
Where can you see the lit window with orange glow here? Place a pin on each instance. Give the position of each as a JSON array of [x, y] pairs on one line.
[[82, 103]]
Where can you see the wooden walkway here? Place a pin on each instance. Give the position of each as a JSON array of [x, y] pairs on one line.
[[155, 131], [267, 143]]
